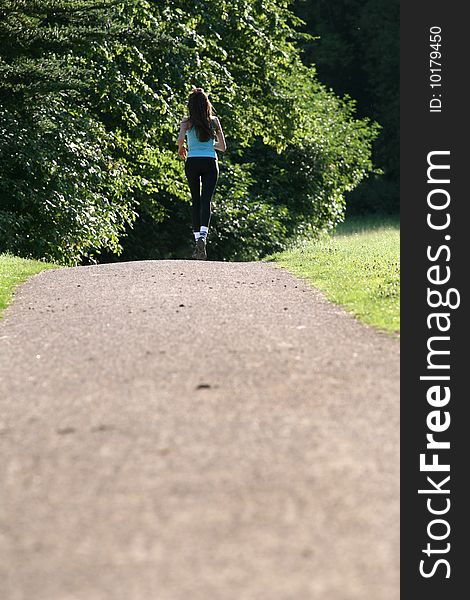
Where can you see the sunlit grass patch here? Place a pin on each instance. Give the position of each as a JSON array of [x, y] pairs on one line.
[[358, 267], [13, 271]]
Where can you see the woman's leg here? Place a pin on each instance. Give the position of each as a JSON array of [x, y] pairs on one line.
[[193, 175], [209, 176]]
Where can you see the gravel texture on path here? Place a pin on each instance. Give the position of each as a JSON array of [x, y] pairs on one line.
[[175, 430]]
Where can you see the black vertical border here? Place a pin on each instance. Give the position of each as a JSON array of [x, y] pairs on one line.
[[421, 132]]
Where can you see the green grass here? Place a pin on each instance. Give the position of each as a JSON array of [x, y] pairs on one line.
[[358, 268], [13, 271]]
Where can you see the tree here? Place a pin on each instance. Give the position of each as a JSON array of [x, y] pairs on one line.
[[356, 51], [98, 89], [63, 190]]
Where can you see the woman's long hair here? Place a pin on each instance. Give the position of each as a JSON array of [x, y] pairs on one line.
[[200, 114]]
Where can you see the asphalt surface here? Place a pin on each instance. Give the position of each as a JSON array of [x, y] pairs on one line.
[[174, 430]]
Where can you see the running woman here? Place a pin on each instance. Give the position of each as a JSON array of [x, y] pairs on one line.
[[204, 135]]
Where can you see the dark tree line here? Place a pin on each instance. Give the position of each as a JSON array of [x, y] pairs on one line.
[[357, 53]]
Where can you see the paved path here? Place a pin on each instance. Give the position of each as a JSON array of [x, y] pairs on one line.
[[175, 430]]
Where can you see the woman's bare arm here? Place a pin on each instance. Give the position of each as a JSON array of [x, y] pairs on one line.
[[182, 134], [220, 138]]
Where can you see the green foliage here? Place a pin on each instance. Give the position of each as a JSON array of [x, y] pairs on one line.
[[329, 157], [244, 226], [63, 190], [91, 95], [356, 51]]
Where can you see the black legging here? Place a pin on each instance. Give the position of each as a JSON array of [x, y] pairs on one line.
[[205, 170]]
